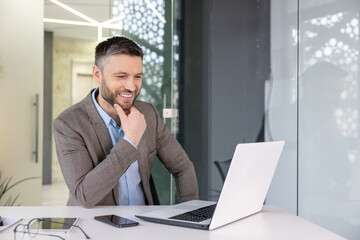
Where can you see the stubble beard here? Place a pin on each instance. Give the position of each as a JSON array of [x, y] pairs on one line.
[[110, 97]]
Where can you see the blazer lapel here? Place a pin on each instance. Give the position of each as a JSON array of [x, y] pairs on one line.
[[99, 125], [102, 134], [144, 168]]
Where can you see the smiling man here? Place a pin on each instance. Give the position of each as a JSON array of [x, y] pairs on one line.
[[106, 144]]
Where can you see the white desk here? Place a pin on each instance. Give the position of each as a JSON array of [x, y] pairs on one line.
[[271, 223]]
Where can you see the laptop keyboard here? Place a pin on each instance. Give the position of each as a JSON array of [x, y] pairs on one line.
[[197, 215]]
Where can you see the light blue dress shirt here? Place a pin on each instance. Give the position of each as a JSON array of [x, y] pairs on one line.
[[130, 189]]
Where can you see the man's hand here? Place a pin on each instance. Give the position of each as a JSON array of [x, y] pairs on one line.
[[133, 123]]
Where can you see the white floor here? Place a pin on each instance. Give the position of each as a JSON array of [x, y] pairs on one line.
[[55, 194]]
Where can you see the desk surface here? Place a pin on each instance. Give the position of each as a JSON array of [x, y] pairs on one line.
[[271, 223]]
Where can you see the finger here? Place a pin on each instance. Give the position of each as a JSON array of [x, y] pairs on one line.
[[119, 111], [134, 109]]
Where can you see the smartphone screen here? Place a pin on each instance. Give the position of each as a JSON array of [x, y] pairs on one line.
[[116, 221]]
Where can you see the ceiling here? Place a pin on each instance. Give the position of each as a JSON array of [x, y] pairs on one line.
[[99, 10]]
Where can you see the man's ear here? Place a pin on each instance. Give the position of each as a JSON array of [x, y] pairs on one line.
[[97, 74]]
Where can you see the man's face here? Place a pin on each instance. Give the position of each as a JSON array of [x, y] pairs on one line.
[[120, 80]]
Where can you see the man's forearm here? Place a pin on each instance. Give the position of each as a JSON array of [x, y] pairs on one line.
[[186, 185]]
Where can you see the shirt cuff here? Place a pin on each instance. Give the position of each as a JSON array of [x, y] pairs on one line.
[[127, 139]]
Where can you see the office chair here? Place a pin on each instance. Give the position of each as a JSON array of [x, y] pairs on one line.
[[223, 167]]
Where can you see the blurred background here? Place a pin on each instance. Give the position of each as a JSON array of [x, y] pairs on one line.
[[233, 71]]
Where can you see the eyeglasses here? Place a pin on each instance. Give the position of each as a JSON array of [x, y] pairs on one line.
[[33, 226]]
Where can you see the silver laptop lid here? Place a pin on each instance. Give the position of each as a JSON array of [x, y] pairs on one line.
[[247, 182]]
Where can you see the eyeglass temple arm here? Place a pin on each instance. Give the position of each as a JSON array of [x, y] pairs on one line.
[[87, 236], [41, 234]]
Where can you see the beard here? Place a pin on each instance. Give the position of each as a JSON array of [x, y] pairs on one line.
[[110, 96]]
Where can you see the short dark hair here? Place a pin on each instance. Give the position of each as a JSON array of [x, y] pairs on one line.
[[113, 46]]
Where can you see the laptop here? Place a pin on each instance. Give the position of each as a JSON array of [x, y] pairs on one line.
[[243, 193]]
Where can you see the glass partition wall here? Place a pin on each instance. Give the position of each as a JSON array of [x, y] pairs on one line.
[[328, 121], [313, 104]]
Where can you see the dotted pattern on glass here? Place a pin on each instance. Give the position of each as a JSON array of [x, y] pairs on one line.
[[141, 24], [340, 49]]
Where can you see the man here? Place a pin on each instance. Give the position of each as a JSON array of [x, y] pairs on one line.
[[106, 144]]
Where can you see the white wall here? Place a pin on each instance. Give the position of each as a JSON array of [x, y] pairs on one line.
[[21, 77]]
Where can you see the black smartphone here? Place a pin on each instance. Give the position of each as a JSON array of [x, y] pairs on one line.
[[116, 221]]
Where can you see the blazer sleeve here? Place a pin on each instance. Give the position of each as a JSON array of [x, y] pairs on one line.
[[89, 180], [174, 158]]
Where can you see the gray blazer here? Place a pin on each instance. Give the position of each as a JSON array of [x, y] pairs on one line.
[[92, 166]]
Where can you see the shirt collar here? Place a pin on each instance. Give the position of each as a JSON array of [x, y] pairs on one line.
[[106, 118]]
